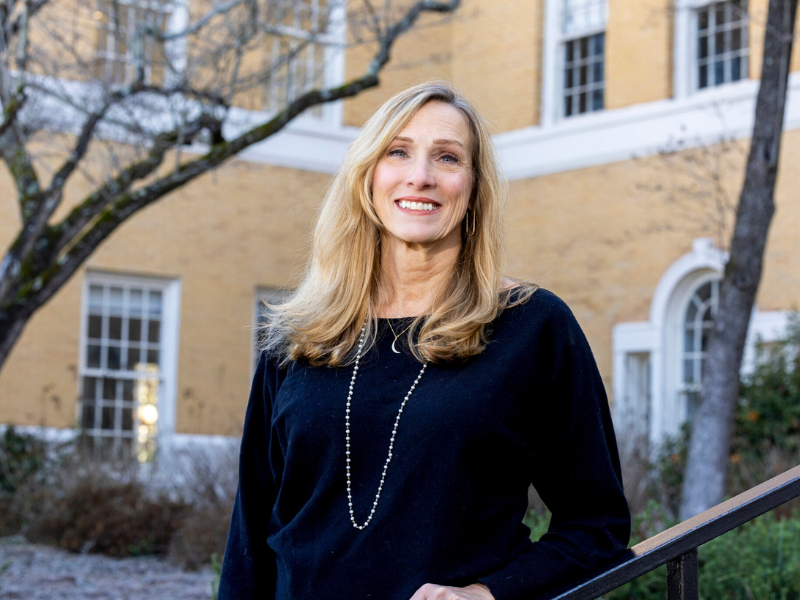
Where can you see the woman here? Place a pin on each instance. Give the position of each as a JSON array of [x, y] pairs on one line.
[[408, 394]]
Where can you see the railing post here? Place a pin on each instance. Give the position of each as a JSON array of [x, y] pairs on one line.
[[682, 577]]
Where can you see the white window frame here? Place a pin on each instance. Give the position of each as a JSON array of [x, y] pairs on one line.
[[170, 328], [554, 62], [333, 42], [662, 339], [685, 50]]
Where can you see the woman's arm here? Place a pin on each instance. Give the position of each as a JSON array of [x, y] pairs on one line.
[[575, 469], [248, 568]]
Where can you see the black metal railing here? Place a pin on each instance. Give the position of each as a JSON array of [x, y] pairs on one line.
[[677, 546]]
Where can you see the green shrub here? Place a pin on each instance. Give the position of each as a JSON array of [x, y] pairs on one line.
[[21, 457], [760, 560], [766, 438]]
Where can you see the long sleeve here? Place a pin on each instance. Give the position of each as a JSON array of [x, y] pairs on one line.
[[576, 469], [248, 569]]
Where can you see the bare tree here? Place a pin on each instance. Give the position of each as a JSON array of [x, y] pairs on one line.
[[145, 91], [709, 445]]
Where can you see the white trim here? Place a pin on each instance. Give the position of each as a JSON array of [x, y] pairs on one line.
[[610, 136], [660, 338]]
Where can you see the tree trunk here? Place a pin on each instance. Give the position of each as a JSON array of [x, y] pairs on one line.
[[709, 444]]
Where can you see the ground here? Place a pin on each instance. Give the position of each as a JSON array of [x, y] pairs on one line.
[[37, 572]]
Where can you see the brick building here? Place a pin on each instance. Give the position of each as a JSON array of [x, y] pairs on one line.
[[622, 125]]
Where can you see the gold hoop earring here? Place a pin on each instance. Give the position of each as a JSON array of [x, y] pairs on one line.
[[470, 231]]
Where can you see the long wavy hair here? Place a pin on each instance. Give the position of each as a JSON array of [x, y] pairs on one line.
[[322, 320]]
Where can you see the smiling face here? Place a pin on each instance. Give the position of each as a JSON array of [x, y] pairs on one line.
[[422, 184]]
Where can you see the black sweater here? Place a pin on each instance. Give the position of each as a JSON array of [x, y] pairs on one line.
[[472, 437]]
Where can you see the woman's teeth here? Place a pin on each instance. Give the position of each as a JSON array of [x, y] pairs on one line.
[[416, 205]]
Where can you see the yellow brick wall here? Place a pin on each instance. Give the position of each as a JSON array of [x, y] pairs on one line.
[[498, 66], [422, 54], [602, 238], [639, 42], [231, 231]]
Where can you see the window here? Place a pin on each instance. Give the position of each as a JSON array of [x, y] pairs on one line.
[[127, 345], [301, 50], [722, 43], [583, 40], [697, 324], [118, 23]]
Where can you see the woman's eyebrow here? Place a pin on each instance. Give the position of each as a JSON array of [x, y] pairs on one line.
[[439, 142]]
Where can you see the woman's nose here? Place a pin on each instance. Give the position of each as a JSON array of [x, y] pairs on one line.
[[421, 174]]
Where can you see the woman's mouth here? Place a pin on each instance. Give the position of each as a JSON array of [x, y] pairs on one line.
[[418, 206]]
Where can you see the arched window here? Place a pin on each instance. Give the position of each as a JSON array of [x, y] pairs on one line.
[[697, 324]]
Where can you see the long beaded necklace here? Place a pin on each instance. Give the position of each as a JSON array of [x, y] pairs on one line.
[[391, 441]]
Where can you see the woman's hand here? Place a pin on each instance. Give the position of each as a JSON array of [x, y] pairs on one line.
[[430, 591]]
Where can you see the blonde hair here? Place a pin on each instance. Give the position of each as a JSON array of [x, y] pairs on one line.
[[322, 321]]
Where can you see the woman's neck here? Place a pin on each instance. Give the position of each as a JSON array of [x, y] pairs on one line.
[[412, 276]]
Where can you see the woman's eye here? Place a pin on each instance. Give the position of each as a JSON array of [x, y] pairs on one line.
[[450, 158], [396, 152]]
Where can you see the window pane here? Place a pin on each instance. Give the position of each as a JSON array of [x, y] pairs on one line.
[[704, 292], [599, 41], [115, 328], [87, 415], [597, 75], [688, 371], [703, 80], [568, 105], [154, 305], [152, 357], [95, 298], [702, 47], [719, 43], [113, 357], [702, 20], [95, 323], [720, 13], [154, 332], [582, 102], [688, 339], [691, 311], [736, 39], [736, 69], [584, 73], [109, 388], [719, 73], [704, 338], [89, 389], [135, 330], [93, 356], [135, 303], [108, 418], [133, 357], [597, 100], [115, 301], [127, 419], [584, 42], [127, 390]]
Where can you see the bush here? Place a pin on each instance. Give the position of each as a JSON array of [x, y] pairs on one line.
[[759, 560], [83, 504], [21, 457]]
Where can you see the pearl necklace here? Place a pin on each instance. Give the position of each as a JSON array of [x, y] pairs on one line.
[[391, 441]]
